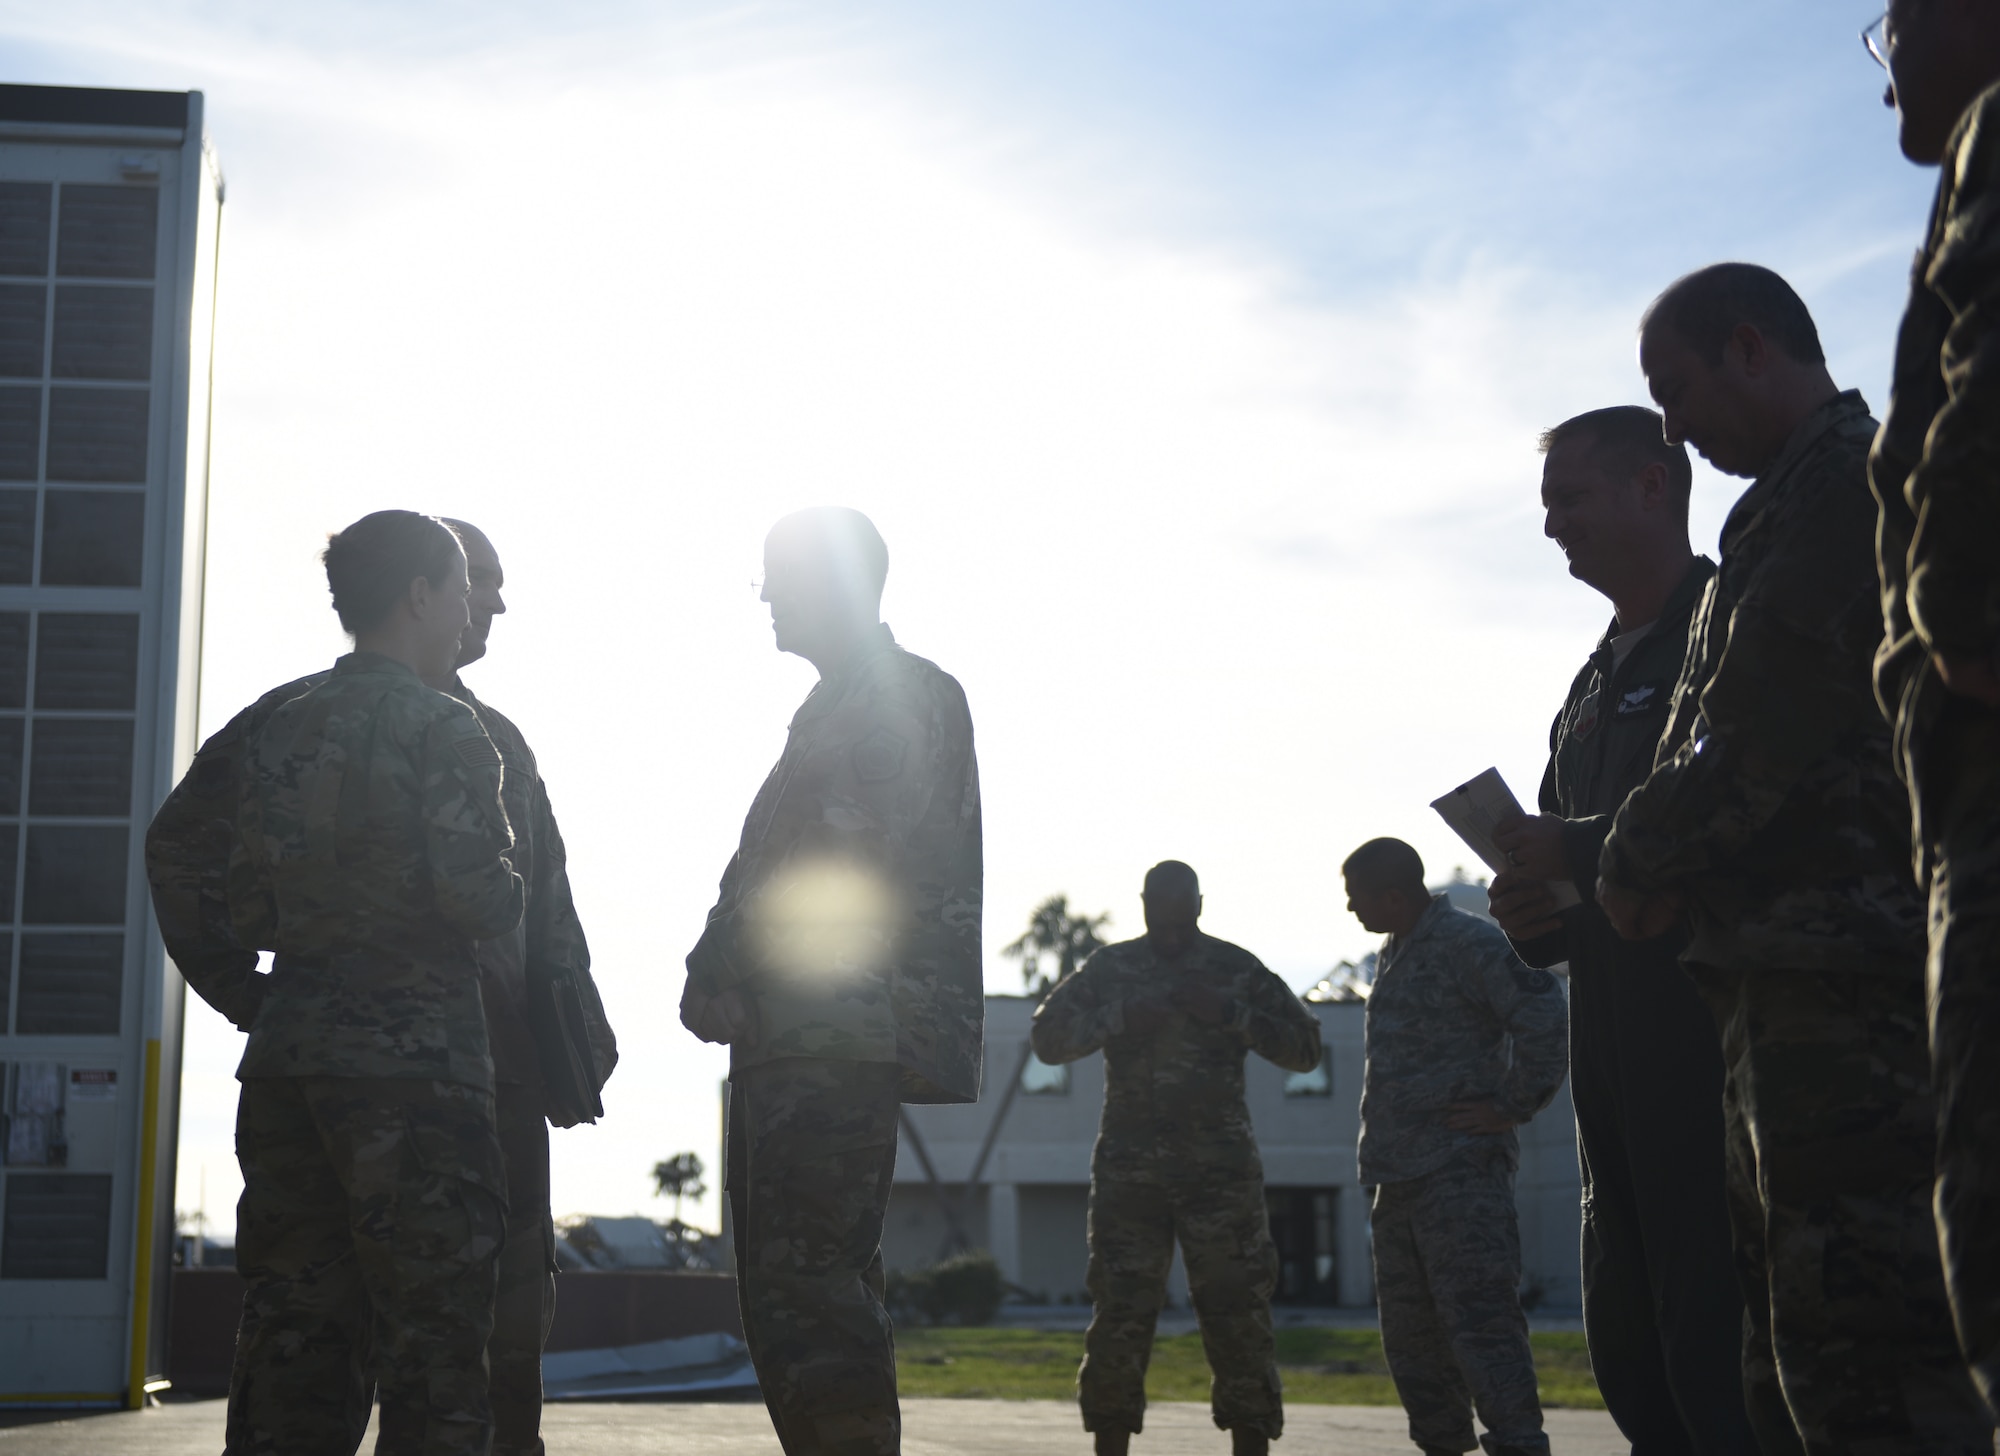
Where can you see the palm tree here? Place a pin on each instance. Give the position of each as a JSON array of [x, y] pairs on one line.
[[679, 1175], [1054, 930]]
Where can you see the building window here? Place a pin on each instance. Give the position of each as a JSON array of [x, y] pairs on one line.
[[1039, 1079], [1316, 1083], [1305, 1229]]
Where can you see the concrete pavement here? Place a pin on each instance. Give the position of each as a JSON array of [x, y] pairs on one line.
[[931, 1428]]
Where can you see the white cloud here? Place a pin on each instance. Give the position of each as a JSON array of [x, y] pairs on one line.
[[1232, 570]]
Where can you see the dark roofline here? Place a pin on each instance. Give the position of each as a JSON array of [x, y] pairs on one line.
[[90, 106]]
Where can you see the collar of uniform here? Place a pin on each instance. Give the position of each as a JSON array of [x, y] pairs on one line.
[[459, 690], [876, 642], [352, 662], [1399, 945], [828, 690], [1679, 607], [1777, 477]]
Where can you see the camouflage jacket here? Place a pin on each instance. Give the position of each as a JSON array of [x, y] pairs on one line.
[[1454, 1016], [850, 911], [1173, 1098], [1938, 534], [371, 854], [187, 865], [549, 937], [1600, 749], [1773, 804]]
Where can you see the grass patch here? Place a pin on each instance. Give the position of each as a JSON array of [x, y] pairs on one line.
[[1321, 1366]]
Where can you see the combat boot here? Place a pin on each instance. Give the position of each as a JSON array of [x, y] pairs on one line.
[[1248, 1443], [1113, 1443]]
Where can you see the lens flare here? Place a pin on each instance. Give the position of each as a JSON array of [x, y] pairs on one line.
[[826, 920]]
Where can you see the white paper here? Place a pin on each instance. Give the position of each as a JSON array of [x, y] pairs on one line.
[[1475, 809]]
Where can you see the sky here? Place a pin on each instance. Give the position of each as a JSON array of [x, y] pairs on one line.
[[1189, 356]]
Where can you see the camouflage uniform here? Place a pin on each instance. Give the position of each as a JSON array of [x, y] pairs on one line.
[[1938, 533], [187, 865], [1455, 1017], [1773, 808], [187, 856], [849, 916], [548, 941], [1662, 1310], [1176, 1158], [371, 854]]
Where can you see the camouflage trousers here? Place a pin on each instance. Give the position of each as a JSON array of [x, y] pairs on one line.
[[1447, 1288], [1963, 766], [367, 1236], [524, 1304], [811, 1156], [1830, 1126], [1232, 1266]]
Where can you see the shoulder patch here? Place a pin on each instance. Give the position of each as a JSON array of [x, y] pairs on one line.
[[476, 751], [878, 757]]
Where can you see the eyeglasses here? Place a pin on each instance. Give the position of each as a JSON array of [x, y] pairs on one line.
[[1876, 39]]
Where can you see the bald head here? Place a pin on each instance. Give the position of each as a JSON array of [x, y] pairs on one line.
[[482, 571], [1385, 886], [837, 541], [1385, 863], [1172, 898], [824, 570], [1733, 360]]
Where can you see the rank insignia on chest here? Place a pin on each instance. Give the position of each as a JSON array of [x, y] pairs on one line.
[[1642, 699]]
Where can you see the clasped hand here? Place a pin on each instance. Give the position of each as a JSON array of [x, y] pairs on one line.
[[1639, 914], [729, 1017]]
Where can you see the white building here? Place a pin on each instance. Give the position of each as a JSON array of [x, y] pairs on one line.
[[109, 215], [1026, 1157]]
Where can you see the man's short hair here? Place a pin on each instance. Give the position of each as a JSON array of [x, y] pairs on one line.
[[1626, 438], [1385, 864], [370, 565], [1171, 877], [1705, 307]]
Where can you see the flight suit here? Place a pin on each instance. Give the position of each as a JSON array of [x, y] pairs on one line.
[[1662, 1310]]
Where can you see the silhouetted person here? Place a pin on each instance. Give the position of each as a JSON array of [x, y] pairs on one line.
[[371, 856], [1465, 1043], [187, 863], [1772, 825], [1938, 671], [1176, 1013], [842, 967], [1661, 1307], [522, 978]]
